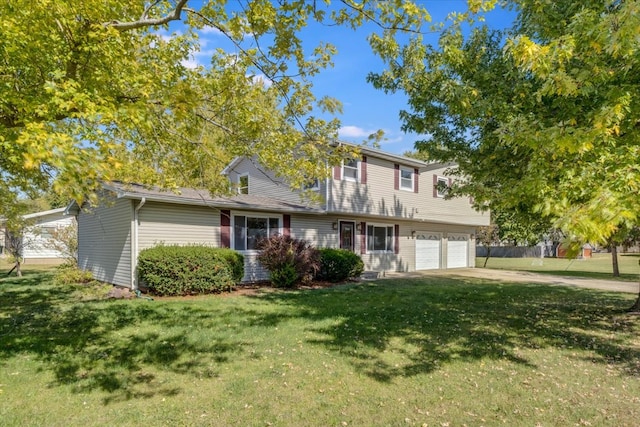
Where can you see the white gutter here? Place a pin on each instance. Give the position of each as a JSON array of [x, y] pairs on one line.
[[135, 243]]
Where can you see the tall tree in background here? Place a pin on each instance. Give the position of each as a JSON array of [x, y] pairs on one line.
[[90, 91], [542, 118]]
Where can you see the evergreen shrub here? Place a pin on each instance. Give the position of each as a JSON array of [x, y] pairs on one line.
[[337, 265]]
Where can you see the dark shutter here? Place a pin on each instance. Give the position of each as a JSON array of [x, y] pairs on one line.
[[396, 177], [286, 225], [337, 172], [363, 170], [363, 237], [435, 185], [225, 228], [416, 178], [396, 236]]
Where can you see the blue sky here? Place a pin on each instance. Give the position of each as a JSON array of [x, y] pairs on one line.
[[365, 109]]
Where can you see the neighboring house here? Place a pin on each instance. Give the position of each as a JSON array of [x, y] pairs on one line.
[[389, 209], [38, 233], [586, 251]]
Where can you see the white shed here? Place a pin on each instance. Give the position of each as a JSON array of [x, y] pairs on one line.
[[38, 234]]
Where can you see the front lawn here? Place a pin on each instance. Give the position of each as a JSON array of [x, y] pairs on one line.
[[411, 352], [597, 267]]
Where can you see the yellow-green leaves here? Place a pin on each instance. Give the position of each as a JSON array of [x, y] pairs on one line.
[[90, 90], [542, 119]]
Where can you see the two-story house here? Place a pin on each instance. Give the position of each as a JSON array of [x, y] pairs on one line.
[[389, 209]]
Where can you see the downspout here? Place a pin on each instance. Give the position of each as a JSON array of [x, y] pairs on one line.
[[135, 244], [326, 191]]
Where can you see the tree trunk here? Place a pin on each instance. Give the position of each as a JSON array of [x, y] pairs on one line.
[[487, 257], [614, 260], [635, 308], [18, 269]]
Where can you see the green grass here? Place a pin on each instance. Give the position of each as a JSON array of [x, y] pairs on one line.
[[412, 352], [597, 267], [6, 266]]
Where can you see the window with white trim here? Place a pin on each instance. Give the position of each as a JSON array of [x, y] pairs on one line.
[[350, 170], [380, 238], [442, 186], [249, 230], [243, 184], [406, 178]]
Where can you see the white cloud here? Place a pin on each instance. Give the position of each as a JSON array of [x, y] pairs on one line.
[[190, 63], [167, 36], [390, 138], [210, 30], [354, 132]]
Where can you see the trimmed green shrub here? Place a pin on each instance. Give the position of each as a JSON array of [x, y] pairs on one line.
[[337, 265], [235, 261], [189, 270], [289, 261]]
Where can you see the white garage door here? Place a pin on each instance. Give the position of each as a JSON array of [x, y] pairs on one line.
[[427, 251], [457, 250]]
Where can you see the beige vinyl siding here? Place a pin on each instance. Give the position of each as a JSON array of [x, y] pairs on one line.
[[172, 224], [253, 270], [265, 183], [316, 229], [380, 198], [104, 241], [458, 210]]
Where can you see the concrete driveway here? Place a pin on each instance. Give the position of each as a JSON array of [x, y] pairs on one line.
[[526, 277]]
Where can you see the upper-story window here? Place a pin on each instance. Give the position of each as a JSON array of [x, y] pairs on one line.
[[406, 179], [243, 184], [350, 170], [442, 186]]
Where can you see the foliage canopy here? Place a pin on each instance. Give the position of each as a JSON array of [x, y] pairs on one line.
[[541, 118], [92, 91]]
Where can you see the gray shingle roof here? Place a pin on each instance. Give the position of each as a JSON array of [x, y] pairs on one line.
[[201, 197]]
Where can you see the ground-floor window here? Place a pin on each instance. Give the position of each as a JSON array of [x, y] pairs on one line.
[[380, 238], [248, 230]]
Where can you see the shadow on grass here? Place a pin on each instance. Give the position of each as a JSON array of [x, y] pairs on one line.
[[116, 347], [386, 329], [432, 322]]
